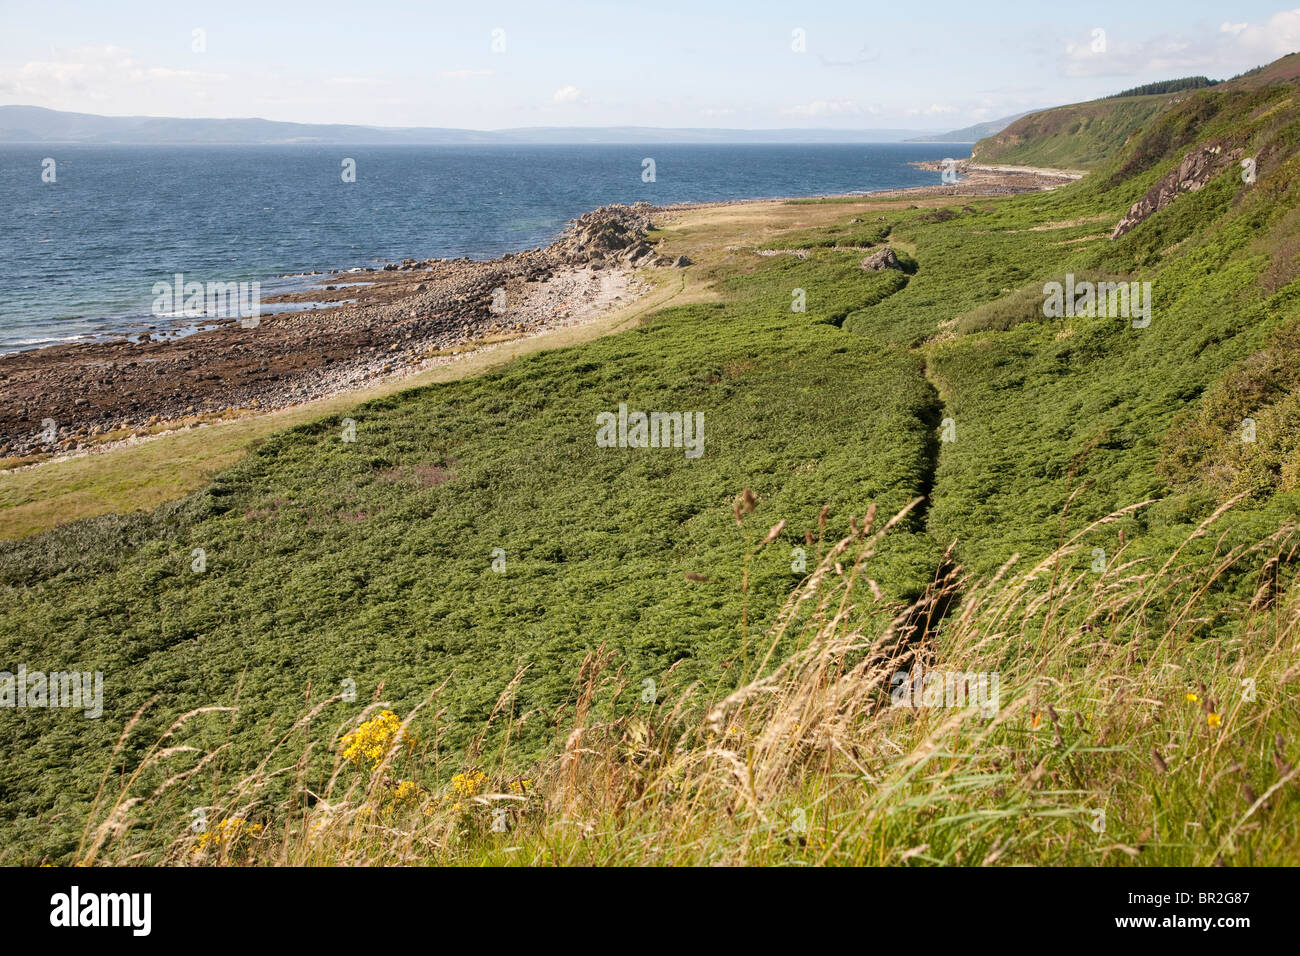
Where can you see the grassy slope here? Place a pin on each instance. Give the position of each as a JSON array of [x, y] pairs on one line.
[[1084, 135], [1079, 136], [330, 560], [1087, 406], [142, 476]]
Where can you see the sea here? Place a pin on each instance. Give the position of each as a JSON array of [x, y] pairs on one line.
[[89, 231]]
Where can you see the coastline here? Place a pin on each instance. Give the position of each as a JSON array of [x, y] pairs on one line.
[[409, 318], [385, 322]]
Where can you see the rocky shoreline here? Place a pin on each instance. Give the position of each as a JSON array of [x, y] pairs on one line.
[[374, 323], [397, 319], [976, 179]]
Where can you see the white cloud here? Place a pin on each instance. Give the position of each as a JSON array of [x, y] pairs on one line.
[[101, 75], [565, 94], [1229, 49], [830, 108], [934, 109], [1278, 37], [356, 82]]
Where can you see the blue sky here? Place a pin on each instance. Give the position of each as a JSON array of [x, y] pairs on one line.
[[931, 65]]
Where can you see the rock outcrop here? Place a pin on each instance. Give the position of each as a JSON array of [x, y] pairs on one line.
[[392, 318], [609, 234], [1197, 168], [882, 259]]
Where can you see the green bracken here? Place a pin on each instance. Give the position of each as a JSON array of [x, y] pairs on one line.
[[473, 559]]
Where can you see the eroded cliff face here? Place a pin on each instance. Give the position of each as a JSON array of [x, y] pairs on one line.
[[1197, 168]]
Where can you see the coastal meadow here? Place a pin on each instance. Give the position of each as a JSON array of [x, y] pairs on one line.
[[518, 618], [1112, 743]]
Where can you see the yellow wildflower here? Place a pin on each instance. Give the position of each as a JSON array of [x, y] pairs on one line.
[[225, 833], [405, 791], [468, 784], [374, 738], [404, 794], [1213, 719], [1193, 699]]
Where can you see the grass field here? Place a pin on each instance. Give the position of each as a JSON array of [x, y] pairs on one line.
[[594, 647]]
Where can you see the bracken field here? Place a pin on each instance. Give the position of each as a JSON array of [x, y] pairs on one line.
[[473, 636]]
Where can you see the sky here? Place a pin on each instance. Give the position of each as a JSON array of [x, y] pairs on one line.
[[495, 65]]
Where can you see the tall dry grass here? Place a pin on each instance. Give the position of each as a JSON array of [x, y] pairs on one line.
[[1122, 734]]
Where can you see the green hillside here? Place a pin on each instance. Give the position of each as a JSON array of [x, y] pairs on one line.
[[1079, 136], [1083, 135], [372, 561]]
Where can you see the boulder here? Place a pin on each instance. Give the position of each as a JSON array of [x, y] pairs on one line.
[[604, 233], [882, 259], [634, 252]]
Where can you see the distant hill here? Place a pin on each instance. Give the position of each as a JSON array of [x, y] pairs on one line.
[[1078, 136], [1083, 135], [970, 134], [34, 124], [1168, 86]]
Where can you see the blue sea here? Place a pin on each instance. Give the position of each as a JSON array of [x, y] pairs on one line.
[[80, 255]]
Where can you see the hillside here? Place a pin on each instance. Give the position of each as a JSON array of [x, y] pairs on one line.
[[969, 134], [1079, 136], [1079, 511], [34, 124], [1082, 135]]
